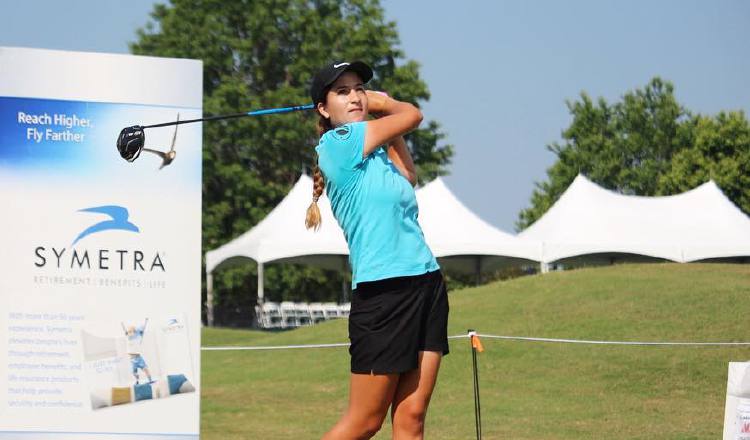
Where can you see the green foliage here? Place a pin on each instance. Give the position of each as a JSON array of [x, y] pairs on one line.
[[646, 144], [263, 53], [720, 150]]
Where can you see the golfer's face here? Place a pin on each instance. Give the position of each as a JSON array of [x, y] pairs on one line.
[[346, 101]]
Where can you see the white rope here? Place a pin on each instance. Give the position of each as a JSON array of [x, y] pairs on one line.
[[482, 335], [584, 341], [275, 347]]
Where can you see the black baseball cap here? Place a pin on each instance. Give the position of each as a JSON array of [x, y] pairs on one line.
[[330, 73]]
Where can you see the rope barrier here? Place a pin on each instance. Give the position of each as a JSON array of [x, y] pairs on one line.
[[584, 341], [483, 335], [275, 347]]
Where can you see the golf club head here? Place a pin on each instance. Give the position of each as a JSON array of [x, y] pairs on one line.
[[130, 142]]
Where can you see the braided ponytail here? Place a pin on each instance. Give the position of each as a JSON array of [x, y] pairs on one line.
[[313, 219]]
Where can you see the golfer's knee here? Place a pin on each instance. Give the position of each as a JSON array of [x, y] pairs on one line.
[[410, 417], [370, 427]]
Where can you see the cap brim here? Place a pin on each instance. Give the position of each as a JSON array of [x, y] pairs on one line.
[[330, 74], [363, 70]]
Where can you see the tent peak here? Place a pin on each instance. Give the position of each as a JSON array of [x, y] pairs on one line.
[[583, 181]]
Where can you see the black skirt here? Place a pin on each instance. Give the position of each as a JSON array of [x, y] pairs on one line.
[[392, 320]]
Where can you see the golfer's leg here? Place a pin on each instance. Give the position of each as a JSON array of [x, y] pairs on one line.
[[369, 399], [413, 396]]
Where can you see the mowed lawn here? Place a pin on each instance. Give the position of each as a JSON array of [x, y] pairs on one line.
[[529, 390]]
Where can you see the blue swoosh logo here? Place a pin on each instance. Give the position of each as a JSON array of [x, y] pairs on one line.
[[118, 221]]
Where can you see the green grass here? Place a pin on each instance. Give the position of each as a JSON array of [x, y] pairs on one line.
[[529, 390]]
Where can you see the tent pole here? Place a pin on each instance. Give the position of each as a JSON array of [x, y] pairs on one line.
[[260, 283], [210, 299], [478, 269], [259, 322]]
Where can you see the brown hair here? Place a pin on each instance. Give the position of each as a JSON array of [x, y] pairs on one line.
[[312, 219]]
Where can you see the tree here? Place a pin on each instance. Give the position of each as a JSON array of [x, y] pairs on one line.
[[263, 53], [720, 150], [647, 144]]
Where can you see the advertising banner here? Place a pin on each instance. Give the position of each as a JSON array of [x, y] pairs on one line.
[[737, 407], [100, 257]]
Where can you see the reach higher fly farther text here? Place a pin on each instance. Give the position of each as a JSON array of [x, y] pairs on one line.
[[60, 119]]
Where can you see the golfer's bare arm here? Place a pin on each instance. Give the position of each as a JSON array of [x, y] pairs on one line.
[[398, 118], [399, 154]]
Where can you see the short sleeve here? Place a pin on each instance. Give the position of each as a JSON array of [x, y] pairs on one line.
[[340, 151]]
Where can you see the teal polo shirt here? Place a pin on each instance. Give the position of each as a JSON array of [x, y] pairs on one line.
[[375, 206]]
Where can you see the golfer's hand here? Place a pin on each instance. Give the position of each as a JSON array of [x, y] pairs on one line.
[[378, 103]]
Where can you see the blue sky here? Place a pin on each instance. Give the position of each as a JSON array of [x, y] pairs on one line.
[[499, 71]]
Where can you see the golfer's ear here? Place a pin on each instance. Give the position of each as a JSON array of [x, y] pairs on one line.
[[322, 110]]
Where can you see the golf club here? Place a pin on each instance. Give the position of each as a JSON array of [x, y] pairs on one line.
[[131, 140]]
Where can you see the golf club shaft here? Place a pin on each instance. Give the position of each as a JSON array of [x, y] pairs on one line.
[[268, 111]]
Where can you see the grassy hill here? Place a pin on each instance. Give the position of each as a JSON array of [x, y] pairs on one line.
[[529, 390]]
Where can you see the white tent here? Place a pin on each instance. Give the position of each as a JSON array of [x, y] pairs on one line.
[[460, 239], [282, 237], [589, 220], [473, 245]]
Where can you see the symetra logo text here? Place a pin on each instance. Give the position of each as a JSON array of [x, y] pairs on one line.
[[117, 219]]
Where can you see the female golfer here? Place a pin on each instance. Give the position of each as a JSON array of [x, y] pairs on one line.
[[399, 311]]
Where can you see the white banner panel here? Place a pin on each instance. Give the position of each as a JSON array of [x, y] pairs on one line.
[[100, 258], [737, 407]]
